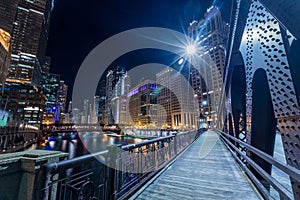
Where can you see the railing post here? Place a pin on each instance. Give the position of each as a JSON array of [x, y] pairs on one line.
[[111, 173], [175, 144]]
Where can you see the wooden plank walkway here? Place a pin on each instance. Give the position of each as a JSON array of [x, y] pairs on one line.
[[206, 170]]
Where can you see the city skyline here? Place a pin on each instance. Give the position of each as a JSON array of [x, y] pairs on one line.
[[66, 59], [31, 65], [149, 100]]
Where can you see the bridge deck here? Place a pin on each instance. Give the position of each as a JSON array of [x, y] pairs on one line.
[[206, 170]]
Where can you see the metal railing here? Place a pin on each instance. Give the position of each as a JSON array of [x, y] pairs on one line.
[[112, 174], [238, 154]]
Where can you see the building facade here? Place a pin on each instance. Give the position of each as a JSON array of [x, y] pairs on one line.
[[112, 79], [102, 101], [62, 99], [29, 34], [26, 102], [119, 102], [8, 10], [95, 109], [143, 105], [177, 108], [207, 76], [50, 87]]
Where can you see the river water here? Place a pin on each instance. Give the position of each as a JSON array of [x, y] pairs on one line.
[[87, 142]]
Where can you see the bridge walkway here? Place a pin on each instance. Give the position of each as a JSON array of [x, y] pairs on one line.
[[206, 170]]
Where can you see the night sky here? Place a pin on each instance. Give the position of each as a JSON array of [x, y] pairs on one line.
[[77, 26]]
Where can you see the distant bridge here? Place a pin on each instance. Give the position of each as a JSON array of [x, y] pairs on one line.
[[18, 136]]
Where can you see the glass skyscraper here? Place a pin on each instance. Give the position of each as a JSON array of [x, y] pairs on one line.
[[210, 34], [7, 13], [29, 40]]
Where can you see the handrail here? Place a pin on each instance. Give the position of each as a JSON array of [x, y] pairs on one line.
[[256, 182], [89, 157], [132, 146], [282, 190], [120, 173], [291, 171], [73, 161]]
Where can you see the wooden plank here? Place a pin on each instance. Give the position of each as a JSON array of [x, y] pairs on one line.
[[206, 170]]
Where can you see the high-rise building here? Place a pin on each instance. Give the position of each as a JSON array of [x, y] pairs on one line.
[[85, 114], [119, 102], [28, 26], [142, 104], [207, 76], [112, 78], [76, 115], [102, 100], [24, 68], [70, 112], [8, 10], [29, 34], [50, 86], [26, 102], [62, 99], [176, 104], [95, 110]]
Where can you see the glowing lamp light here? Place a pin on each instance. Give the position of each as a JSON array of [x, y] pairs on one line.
[[180, 61], [191, 49]]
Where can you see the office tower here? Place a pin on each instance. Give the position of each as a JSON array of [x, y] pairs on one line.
[[207, 76], [8, 10], [95, 110], [176, 104], [102, 100], [112, 78], [142, 104], [29, 34], [62, 99], [26, 102], [164, 99], [24, 68], [119, 102], [50, 86], [70, 112], [85, 112], [76, 115]]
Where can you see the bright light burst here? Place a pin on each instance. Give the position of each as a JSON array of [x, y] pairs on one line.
[[191, 49]]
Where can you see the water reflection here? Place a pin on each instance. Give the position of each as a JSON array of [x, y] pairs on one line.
[[83, 143]]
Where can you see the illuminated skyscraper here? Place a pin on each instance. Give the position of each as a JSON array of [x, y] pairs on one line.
[[29, 40], [102, 100], [95, 110], [50, 87], [119, 102], [207, 77], [62, 99], [26, 102], [85, 114], [176, 102], [142, 104], [8, 10], [112, 78]]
